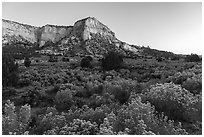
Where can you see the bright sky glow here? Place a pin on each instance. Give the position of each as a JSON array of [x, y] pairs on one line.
[[174, 27]]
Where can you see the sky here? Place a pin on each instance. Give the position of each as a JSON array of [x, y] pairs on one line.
[[169, 26]]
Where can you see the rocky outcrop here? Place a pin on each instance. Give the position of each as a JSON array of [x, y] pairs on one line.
[[87, 36], [86, 27]]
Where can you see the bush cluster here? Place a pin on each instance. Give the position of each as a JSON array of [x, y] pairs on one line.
[[112, 61], [193, 58], [14, 123], [190, 79], [134, 118], [86, 62], [53, 58], [79, 101], [139, 118], [9, 71], [174, 101]]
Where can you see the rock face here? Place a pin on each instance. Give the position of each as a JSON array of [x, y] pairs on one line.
[[86, 27], [87, 36], [15, 32], [54, 33]]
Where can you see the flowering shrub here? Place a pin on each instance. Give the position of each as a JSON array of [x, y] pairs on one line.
[[96, 115], [139, 118], [179, 78], [13, 122], [171, 99], [193, 84], [79, 127], [190, 79]]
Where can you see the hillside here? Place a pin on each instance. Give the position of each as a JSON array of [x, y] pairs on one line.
[[62, 91]]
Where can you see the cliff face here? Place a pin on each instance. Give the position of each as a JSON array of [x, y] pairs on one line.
[[85, 28], [15, 32], [53, 33], [87, 36]]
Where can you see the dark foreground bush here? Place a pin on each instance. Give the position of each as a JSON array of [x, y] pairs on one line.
[[9, 71], [86, 62], [112, 61], [27, 62]]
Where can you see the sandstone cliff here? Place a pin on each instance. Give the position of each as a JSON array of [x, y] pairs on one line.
[[87, 36], [54, 33], [86, 27], [15, 32]]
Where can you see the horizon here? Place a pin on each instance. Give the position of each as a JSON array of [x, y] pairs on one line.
[[180, 31]]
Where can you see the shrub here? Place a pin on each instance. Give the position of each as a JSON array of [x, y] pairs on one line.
[[31, 97], [79, 127], [64, 99], [13, 122], [193, 58], [112, 61], [53, 58], [190, 80], [106, 128], [139, 119], [121, 94], [179, 78], [121, 89], [89, 89], [27, 62], [175, 58], [96, 115], [159, 59], [86, 62], [50, 121], [52, 91], [171, 99], [65, 59], [9, 71], [193, 84]]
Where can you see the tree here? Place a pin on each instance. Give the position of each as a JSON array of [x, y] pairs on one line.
[[193, 58], [86, 62], [112, 61], [27, 62]]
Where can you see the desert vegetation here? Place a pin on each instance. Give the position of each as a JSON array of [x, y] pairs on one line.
[[117, 96]]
